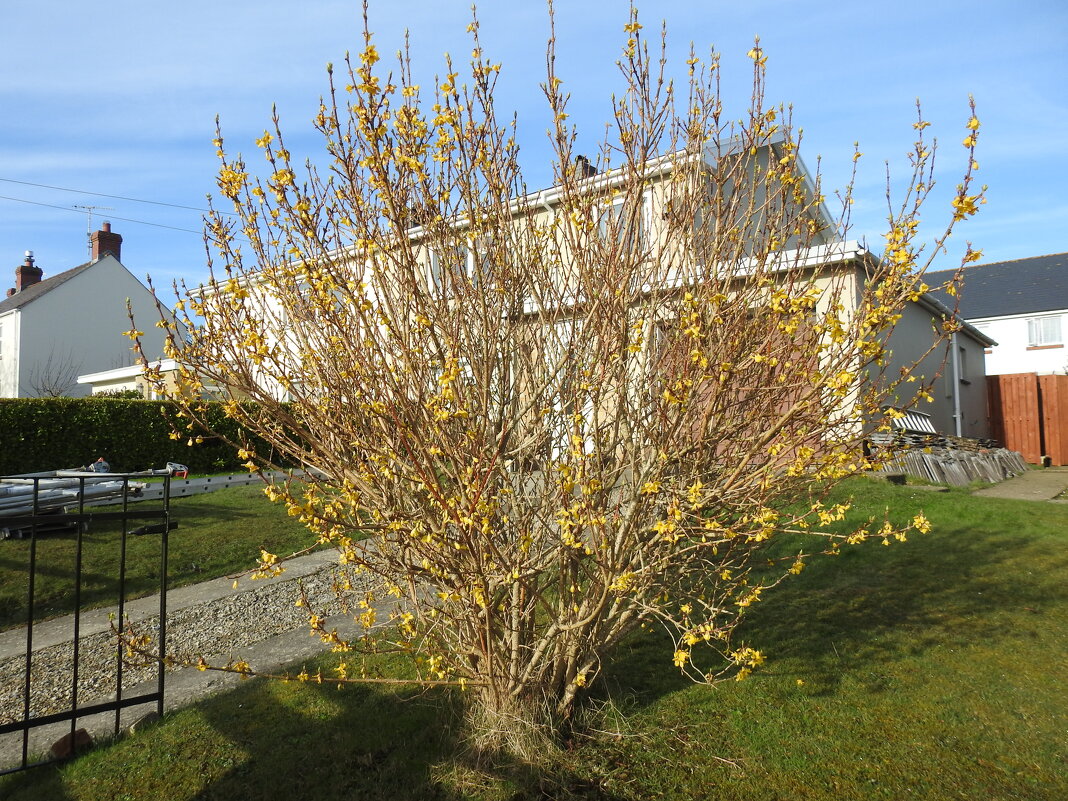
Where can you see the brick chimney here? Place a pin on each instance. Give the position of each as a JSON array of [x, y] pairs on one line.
[[26, 275], [106, 243], [583, 168]]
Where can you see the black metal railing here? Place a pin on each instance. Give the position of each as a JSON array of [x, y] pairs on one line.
[[67, 507]]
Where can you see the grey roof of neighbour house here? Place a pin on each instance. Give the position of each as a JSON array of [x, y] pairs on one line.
[[31, 293], [1022, 286]]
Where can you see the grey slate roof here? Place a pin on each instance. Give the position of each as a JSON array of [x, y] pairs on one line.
[[31, 293], [1038, 284]]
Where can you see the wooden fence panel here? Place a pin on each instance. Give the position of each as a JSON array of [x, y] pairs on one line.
[[1014, 413], [994, 408], [1053, 394]]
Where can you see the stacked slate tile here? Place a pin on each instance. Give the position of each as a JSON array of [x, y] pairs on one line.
[[944, 459]]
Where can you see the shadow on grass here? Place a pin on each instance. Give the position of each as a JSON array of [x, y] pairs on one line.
[[954, 588], [284, 742], [41, 782], [353, 743], [957, 587], [311, 741]]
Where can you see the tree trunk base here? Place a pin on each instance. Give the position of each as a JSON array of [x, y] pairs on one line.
[[523, 731]]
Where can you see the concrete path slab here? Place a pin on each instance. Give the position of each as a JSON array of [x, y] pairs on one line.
[[185, 685], [1040, 484]]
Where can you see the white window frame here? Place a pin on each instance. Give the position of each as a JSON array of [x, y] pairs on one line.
[[608, 212], [1044, 331], [436, 275]]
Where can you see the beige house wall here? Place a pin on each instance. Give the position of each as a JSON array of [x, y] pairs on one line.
[[836, 270]]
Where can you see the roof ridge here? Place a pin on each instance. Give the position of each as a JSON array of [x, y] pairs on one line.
[[970, 267], [1010, 261], [42, 287]]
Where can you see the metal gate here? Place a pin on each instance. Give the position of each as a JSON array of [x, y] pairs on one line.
[[56, 524]]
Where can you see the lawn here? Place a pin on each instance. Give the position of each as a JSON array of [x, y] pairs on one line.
[[218, 533], [930, 669]]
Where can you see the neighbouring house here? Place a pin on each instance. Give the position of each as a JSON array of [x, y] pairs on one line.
[[1023, 306], [959, 405], [840, 269], [132, 377], [54, 329]]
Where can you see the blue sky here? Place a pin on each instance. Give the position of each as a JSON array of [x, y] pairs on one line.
[[120, 98]]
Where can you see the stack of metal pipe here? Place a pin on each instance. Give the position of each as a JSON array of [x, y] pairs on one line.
[[64, 490]]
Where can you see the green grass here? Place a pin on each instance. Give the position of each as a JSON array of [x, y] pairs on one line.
[[218, 533], [266, 740], [930, 669], [935, 669]]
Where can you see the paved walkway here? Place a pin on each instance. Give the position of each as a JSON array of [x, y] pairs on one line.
[[1040, 484]]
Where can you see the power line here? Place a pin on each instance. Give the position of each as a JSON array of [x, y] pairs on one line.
[[78, 211], [115, 197]]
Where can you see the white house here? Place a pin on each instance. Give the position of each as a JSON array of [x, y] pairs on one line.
[[54, 329], [125, 379], [839, 269], [1023, 306]]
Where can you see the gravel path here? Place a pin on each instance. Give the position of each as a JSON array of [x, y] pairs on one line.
[[216, 626]]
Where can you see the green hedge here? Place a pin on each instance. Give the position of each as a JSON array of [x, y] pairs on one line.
[[38, 434]]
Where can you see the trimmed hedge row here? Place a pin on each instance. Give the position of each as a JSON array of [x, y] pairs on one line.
[[38, 434]]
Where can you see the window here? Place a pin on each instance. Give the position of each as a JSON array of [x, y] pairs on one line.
[[446, 267], [1044, 332], [434, 276], [450, 268], [706, 201], [571, 411], [623, 223], [480, 263]]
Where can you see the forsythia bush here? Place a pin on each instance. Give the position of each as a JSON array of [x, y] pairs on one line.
[[536, 422]]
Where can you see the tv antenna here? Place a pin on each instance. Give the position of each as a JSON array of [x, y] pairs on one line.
[[89, 223]]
